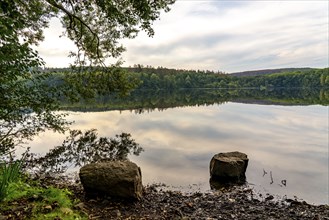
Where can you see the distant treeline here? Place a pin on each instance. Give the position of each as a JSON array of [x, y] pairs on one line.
[[171, 79], [176, 79], [161, 88], [269, 71]]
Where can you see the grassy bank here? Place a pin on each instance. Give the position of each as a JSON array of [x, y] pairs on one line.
[[23, 198]]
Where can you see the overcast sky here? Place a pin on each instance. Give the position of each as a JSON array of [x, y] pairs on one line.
[[228, 36]]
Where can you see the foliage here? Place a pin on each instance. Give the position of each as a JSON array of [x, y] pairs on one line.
[[269, 71], [164, 88], [177, 79], [9, 173], [87, 85], [39, 202], [81, 148], [96, 26], [27, 102], [25, 106]]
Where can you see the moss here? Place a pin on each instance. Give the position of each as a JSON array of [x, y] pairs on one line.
[[35, 202]]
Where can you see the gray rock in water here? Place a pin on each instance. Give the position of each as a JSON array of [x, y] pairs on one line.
[[229, 167], [121, 179]]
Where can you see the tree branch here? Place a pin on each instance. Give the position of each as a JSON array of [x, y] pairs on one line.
[[72, 16]]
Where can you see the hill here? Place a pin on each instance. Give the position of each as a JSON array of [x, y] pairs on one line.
[[269, 71]]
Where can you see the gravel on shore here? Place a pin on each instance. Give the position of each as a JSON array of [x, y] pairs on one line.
[[238, 202], [234, 203]]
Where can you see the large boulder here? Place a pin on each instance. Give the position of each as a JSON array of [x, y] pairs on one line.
[[120, 179], [229, 167]]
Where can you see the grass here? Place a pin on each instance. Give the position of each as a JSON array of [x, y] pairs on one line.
[[30, 200], [9, 173]]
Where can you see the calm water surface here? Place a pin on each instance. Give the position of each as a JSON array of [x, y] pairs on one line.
[[291, 142]]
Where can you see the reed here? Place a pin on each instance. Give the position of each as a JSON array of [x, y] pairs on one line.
[[9, 172]]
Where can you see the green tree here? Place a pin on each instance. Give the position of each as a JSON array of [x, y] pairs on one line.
[[155, 80], [26, 101], [188, 82]]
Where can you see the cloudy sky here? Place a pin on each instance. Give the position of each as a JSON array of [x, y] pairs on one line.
[[228, 36]]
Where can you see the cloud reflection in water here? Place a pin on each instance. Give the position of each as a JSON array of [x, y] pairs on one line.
[[290, 141]]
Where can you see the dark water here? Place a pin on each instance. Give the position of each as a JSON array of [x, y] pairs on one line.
[[287, 145]]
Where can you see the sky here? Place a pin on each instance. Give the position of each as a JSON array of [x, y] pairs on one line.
[[228, 36]]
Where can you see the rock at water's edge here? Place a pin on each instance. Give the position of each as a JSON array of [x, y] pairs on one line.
[[121, 179]]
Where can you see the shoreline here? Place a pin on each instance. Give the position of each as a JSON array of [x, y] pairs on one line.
[[157, 203]]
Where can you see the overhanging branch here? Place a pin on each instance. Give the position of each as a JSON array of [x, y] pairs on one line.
[[72, 16]]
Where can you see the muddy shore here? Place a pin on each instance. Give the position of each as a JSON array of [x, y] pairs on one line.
[[233, 203]]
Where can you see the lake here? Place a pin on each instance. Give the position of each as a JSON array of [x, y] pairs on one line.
[[284, 143]]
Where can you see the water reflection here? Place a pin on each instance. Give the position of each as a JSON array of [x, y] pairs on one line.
[[146, 101], [81, 148], [291, 142], [216, 184]]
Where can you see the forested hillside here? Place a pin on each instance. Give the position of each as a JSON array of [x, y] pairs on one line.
[[269, 71], [171, 79]]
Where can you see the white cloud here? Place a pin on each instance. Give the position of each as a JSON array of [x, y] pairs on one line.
[[224, 35], [258, 35]]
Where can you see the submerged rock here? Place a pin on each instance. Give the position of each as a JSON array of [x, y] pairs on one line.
[[122, 179], [229, 167]]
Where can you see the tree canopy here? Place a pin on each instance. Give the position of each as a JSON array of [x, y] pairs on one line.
[[27, 103]]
